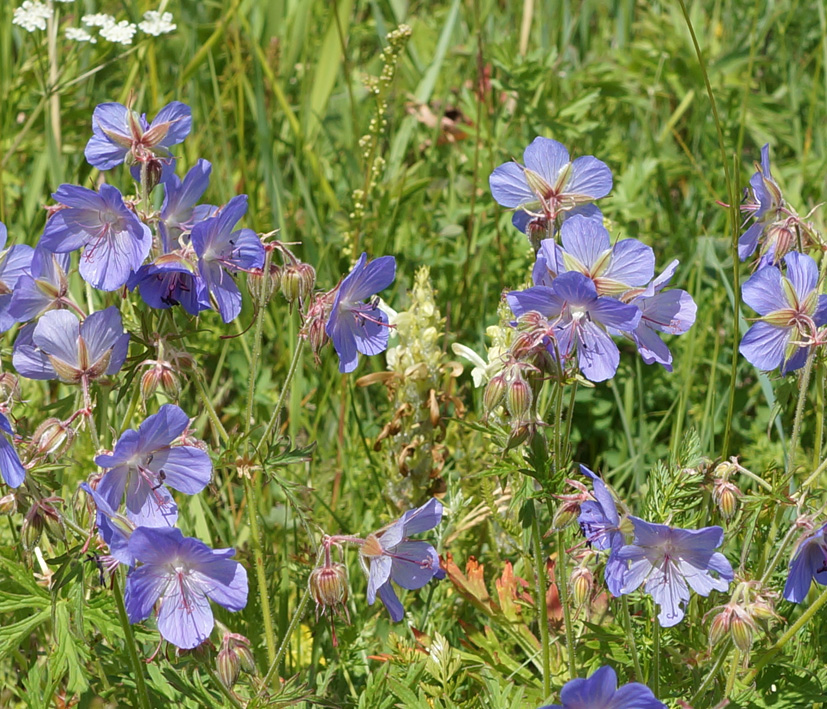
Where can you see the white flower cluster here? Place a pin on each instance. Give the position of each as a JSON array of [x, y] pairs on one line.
[[32, 15], [157, 24]]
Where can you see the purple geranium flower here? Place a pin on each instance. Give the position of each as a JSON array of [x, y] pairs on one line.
[[118, 131], [183, 574], [116, 242], [578, 318], [764, 204], [550, 184], [223, 252], [671, 560], [59, 346], [11, 468], [145, 461], [113, 528], [600, 691], [356, 326], [179, 212], [44, 289], [672, 312], [14, 264], [791, 312], [393, 557], [600, 524], [808, 563], [587, 248]]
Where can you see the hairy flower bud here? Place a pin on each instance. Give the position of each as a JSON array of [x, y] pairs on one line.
[[160, 374], [582, 582], [519, 398], [8, 504], [297, 281], [228, 667], [328, 585], [726, 496], [741, 629], [494, 392], [719, 627], [263, 285], [52, 437], [31, 531]]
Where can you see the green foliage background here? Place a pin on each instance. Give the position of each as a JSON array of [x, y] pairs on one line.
[[279, 100]]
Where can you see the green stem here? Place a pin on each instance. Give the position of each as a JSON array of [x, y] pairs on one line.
[[258, 562], [274, 419], [719, 661], [228, 695], [211, 412], [133, 405], [733, 672], [803, 383], [542, 607], [137, 665], [795, 628], [656, 657], [734, 222], [254, 360], [563, 586], [630, 636], [274, 665]]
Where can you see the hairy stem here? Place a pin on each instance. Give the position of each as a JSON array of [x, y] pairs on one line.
[[132, 650], [542, 607], [563, 586], [274, 419]]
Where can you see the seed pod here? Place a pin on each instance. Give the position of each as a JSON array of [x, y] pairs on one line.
[[494, 392], [228, 666], [519, 398], [328, 585], [741, 630]]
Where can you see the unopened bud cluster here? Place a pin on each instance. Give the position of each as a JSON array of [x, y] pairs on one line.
[[741, 617], [234, 656]]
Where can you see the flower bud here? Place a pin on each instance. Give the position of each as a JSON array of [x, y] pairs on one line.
[[297, 281], [9, 386], [519, 434], [741, 630], [328, 585], [719, 627], [8, 504], [519, 398], [565, 514], [160, 374], [263, 285], [726, 496], [228, 666], [52, 437], [494, 392], [582, 583], [31, 531]]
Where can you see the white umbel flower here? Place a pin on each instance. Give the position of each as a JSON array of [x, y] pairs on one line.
[[156, 23], [121, 33], [78, 34], [32, 15], [99, 19]]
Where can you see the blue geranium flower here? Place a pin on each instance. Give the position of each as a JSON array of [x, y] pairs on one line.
[[144, 462], [791, 311], [600, 524], [11, 468], [182, 575], [600, 691], [353, 325], [550, 184], [670, 561], [394, 557], [809, 563], [115, 242]]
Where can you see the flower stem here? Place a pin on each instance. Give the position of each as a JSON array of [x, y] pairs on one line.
[[656, 657], [733, 672], [803, 383], [719, 661], [274, 664], [137, 665], [795, 628], [228, 695], [274, 419], [254, 360], [542, 607], [630, 637], [563, 586], [211, 412]]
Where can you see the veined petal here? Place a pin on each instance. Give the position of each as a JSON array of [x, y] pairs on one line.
[[179, 117], [366, 280], [802, 272], [414, 564], [509, 187], [590, 179], [748, 241], [422, 518], [585, 239], [380, 573], [669, 590], [764, 346], [163, 428], [597, 354], [144, 587], [185, 618], [546, 157], [186, 468], [633, 263], [56, 333], [764, 292], [541, 299], [388, 596]]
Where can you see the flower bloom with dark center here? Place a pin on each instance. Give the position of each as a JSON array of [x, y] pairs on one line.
[[670, 561], [223, 252], [145, 461], [59, 346], [11, 468], [600, 691], [600, 524], [550, 184], [791, 312], [579, 318], [182, 574], [14, 264], [115, 242], [353, 325], [118, 131], [393, 557], [809, 563], [586, 248]]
